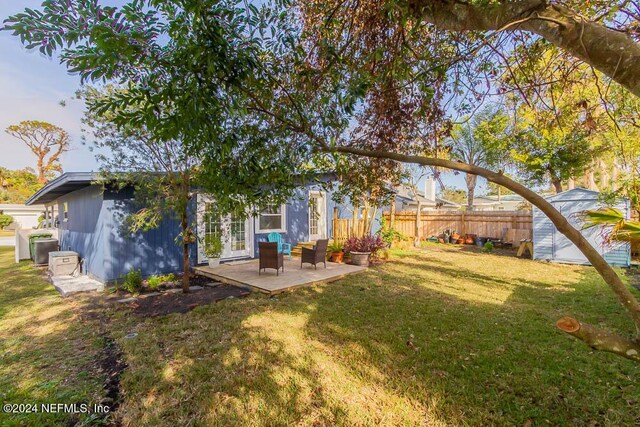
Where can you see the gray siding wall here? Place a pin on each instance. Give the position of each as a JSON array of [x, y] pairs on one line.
[[152, 252], [549, 244], [95, 230], [543, 230], [83, 231]]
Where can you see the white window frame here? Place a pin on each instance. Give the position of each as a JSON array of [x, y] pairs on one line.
[[283, 229]]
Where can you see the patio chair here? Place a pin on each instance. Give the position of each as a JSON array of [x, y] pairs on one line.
[[283, 247], [270, 257], [316, 255]]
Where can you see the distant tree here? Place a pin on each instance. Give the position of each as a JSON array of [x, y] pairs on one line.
[[46, 141], [455, 195], [498, 190], [480, 142], [5, 220], [17, 185]]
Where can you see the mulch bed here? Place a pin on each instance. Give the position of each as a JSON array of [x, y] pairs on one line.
[[178, 302]]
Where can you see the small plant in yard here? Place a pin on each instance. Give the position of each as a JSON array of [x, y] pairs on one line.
[[336, 247], [488, 247], [154, 282], [132, 281], [212, 245], [390, 235]]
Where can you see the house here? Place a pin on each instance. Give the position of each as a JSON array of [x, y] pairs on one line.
[[408, 198], [24, 217], [549, 244], [509, 202], [90, 222]]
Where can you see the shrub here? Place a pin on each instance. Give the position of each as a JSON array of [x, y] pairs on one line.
[[488, 247], [132, 281], [388, 234], [212, 245], [5, 221], [155, 281], [364, 244]]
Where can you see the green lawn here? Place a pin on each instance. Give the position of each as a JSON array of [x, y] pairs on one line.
[[443, 336], [48, 352], [483, 350]]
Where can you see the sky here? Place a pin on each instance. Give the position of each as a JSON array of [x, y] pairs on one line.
[[33, 87]]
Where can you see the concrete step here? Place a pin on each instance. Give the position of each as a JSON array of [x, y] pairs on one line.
[[296, 251]]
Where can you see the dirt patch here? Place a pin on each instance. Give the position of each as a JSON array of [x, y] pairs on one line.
[[112, 364], [178, 302]]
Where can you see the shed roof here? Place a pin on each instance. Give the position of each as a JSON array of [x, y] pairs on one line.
[[577, 193], [64, 184]]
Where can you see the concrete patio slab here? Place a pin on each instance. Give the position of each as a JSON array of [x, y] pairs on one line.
[[68, 285], [246, 274]]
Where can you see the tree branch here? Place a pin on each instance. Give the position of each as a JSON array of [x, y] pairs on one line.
[[619, 288], [612, 52]]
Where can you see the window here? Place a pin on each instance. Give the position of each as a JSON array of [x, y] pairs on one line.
[[65, 211], [272, 218]]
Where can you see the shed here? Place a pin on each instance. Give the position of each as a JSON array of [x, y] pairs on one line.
[[549, 244]]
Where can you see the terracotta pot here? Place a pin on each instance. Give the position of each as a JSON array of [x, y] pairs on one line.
[[470, 239], [455, 236], [460, 241], [360, 258], [440, 239], [337, 257]]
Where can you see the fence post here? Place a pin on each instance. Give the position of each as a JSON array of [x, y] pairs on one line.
[[463, 226], [335, 223]]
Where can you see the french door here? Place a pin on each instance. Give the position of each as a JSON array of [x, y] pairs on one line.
[[234, 231], [317, 215]]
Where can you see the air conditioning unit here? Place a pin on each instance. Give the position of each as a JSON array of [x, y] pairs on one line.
[[41, 249], [64, 263]]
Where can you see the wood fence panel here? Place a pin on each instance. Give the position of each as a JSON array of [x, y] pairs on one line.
[[492, 224]]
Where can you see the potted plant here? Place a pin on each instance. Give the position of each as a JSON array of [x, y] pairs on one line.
[[361, 248], [337, 255], [455, 236], [212, 248]]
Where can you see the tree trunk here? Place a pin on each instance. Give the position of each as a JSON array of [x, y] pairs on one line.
[[611, 278], [41, 178], [184, 223], [612, 52], [571, 183], [605, 176], [471, 180], [557, 185]]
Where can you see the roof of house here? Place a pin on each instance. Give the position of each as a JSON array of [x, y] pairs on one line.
[[575, 193], [19, 207], [407, 193], [493, 200], [72, 181], [64, 184]]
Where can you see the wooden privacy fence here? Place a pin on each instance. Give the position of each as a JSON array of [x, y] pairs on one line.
[[514, 225]]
